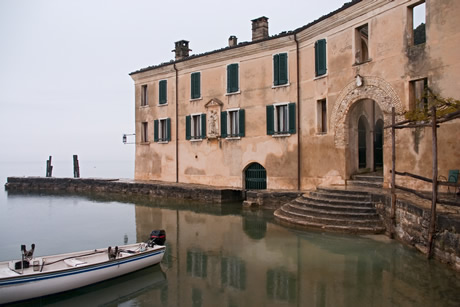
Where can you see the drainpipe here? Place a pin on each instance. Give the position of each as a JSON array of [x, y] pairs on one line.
[[177, 122], [299, 164]]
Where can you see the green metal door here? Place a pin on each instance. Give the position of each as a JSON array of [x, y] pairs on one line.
[[255, 177], [378, 145], [362, 143]]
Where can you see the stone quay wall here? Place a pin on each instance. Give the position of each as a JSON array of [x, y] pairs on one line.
[[412, 226], [150, 188]]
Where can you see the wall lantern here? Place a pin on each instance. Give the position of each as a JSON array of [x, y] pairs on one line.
[[359, 80]]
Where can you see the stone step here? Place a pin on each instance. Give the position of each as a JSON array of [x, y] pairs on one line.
[[370, 208], [328, 213], [281, 216], [368, 178], [330, 220], [338, 202], [362, 183], [340, 196], [342, 190]]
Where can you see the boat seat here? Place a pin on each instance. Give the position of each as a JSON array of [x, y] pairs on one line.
[[73, 262]]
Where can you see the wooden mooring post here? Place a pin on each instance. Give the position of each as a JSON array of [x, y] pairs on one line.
[[49, 168], [393, 171], [76, 167], [434, 196]]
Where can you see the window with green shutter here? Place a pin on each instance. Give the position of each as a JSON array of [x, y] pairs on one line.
[[195, 85], [232, 123], [270, 120], [281, 119], [155, 130], [162, 130], [232, 78], [223, 124], [241, 122], [280, 69], [320, 57], [188, 127], [163, 88], [291, 118], [195, 126]]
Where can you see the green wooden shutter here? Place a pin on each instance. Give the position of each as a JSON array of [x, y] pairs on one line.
[[276, 69], [203, 126], [195, 85], [241, 123], [223, 124], [155, 130], [168, 129], [232, 78], [283, 69], [292, 117], [320, 57], [163, 91], [270, 120], [229, 79], [188, 120], [198, 85]]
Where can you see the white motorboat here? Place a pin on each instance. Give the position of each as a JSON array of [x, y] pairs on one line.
[[33, 277]]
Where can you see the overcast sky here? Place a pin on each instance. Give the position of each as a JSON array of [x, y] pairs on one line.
[[64, 65]]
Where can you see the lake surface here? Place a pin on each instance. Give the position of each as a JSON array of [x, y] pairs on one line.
[[220, 255]]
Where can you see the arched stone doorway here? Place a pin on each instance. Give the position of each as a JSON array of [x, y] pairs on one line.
[[374, 98], [255, 177]]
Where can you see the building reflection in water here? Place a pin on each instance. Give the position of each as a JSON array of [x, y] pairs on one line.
[[218, 258]]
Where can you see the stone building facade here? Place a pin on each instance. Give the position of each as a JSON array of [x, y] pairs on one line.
[[305, 107]]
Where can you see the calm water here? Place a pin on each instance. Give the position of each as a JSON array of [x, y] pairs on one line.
[[221, 256]]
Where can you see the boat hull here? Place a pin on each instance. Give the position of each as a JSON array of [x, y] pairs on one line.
[[29, 286]]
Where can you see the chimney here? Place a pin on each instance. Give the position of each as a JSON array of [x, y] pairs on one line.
[[181, 49], [259, 28], [232, 41]]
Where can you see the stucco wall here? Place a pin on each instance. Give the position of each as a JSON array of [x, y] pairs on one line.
[[325, 158]]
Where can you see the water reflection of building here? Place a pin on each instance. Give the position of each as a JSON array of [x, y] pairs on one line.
[[239, 260]]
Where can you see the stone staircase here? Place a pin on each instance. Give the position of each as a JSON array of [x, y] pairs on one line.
[[343, 209], [371, 180]]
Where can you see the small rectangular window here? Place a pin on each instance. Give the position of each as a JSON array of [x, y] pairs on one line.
[[320, 57], [417, 94], [280, 69], [144, 132], [417, 22], [163, 88], [281, 119], [322, 116], [144, 96], [195, 85], [233, 78], [362, 44]]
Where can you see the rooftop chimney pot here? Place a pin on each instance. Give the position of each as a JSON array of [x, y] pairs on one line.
[[232, 41], [181, 50], [259, 28]]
